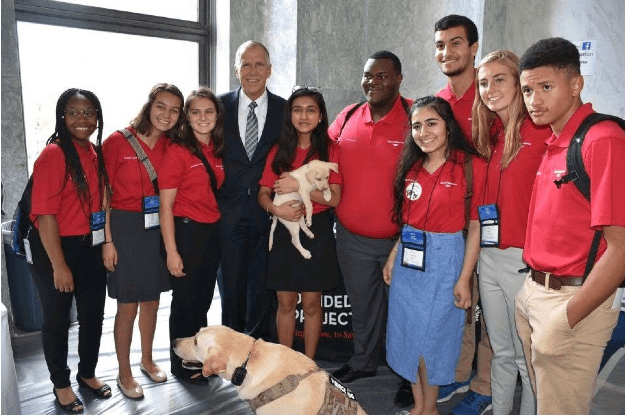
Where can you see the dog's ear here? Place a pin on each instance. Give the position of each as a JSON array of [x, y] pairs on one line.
[[334, 167], [310, 175], [215, 363]]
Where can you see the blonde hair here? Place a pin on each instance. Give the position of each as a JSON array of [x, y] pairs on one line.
[[483, 118]]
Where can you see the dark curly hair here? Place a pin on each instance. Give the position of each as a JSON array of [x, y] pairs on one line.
[[555, 52]]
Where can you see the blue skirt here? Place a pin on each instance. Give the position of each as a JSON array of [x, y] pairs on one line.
[[422, 318]]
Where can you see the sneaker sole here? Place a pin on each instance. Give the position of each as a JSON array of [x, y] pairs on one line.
[[486, 409], [461, 389]]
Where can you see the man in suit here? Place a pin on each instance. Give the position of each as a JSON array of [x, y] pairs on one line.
[[252, 124]]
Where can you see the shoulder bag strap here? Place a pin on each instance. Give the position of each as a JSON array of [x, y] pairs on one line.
[[209, 170], [142, 156]]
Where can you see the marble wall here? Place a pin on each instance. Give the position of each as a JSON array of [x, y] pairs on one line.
[[517, 25], [273, 23], [336, 37]]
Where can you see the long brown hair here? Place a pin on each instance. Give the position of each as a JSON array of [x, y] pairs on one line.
[[185, 137], [142, 123], [483, 118]]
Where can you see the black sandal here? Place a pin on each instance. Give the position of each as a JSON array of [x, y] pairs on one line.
[[70, 407], [103, 392]]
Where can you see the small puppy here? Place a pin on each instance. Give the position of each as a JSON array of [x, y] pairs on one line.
[[277, 380], [311, 176]]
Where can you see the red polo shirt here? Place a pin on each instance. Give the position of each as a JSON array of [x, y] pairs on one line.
[[562, 222], [461, 107], [128, 177], [185, 172], [369, 156], [269, 177], [439, 196], [511, 188], [53, 196]]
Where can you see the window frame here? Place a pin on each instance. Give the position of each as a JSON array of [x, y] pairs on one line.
[[203, 31]]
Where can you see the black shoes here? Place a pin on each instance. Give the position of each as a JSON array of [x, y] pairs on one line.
[[404, 397], [75, 407], [348, 374]]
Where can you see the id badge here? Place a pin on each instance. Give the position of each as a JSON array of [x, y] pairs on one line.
[[98, 219], [489, 225], [150, 212], [413, 249]]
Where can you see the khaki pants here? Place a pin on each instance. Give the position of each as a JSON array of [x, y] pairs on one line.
[[563, 363], [481, 382]]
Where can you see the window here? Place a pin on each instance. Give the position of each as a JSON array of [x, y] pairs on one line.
[[116, 54], [178, 9]]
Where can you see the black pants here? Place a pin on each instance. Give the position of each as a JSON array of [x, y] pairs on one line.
[[245, 302], [198, 246], [89, 275]]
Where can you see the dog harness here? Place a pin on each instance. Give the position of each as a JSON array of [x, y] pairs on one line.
[[335, 401]]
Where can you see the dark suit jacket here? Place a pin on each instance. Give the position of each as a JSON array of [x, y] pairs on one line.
[[242, 174]]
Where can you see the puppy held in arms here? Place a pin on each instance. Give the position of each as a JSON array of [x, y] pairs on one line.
[[273, 379], [311, 176]]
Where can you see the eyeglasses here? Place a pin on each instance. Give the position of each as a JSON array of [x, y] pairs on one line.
[[82, 112], [308, 88]]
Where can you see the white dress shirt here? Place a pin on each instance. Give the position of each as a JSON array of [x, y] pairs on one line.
[[260, 111]]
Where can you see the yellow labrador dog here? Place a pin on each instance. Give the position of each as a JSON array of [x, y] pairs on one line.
[[272, 378], [311, 176]]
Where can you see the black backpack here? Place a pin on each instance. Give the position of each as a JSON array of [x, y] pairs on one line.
[[578, 175], [21, 220]]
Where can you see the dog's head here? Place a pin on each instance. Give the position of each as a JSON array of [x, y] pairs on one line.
[[318, 173], [210, 349]]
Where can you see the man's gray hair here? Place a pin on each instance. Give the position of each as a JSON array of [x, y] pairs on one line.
[[245, 46]]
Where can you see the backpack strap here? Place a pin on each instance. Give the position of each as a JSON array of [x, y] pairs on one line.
[[134, 143], [353, 109], [468, 175], [349, 114], [576, 173]]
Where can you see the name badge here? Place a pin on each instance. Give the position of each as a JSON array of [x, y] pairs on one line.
[[489, 225], [150, 212], [98, 219], [413, 249]]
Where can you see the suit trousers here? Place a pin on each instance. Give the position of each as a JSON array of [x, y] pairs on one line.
[[361, 261], [499, 284], [198, 246], [481, 382], [562, 362], [89, 274], [244, 299]]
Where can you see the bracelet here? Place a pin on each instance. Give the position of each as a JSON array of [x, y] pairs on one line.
[[107, 242], [268, 205]]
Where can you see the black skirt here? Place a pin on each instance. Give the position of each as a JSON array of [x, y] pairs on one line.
[[140, 274], [288, 270]]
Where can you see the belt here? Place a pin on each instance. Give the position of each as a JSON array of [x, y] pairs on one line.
[[183, 219], [555, 281]]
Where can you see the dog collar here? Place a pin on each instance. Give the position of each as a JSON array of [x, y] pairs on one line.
[[240, 372]]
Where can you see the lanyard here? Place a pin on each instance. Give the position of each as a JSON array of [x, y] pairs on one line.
[[427, 211]]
